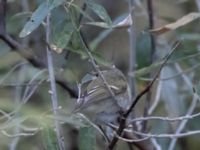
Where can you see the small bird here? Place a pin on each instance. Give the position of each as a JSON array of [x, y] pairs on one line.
[[96, 101]]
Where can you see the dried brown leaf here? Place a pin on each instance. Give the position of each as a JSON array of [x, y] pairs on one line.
[[178, 23]]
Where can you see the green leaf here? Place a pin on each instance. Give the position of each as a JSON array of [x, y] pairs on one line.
[[100, 59], [36, 19], [84, 13], [97, 40], [125, 23], [105, 33], [49, 138], [38, 16], [62, 33], [146, 70], [75, 43], [24, 14], [77, 46], [74, 16], [54, 3], [99, 10], [17, 21], [143, 47], [87, 139]]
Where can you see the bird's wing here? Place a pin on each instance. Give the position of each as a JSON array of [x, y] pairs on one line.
[[99, 93]]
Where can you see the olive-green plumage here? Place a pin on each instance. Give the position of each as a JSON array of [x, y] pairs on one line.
[[96, 100]]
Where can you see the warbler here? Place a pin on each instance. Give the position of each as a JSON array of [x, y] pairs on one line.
[[97, 102]]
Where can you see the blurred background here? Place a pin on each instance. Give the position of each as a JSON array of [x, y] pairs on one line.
[[25, 105]]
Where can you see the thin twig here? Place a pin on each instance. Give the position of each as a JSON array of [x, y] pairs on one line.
[[18, 134], [5, 114], [21, 85], [31, 89], [150, 135], [92, 60], [10, 72], [157, 97], [151, 26], [173, 135], [180, 73], [189, 112], [18, 94], [132, 60], [131, 140], [96, 67], [152, 58], [132, 51], [151, 83], [148, 87], [145, 70], [26, 52], [181, 118], [155, 143], [94, 125], [159, 135]]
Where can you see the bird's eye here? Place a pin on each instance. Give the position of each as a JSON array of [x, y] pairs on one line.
[[96, 74]]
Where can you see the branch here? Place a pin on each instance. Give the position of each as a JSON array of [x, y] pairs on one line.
[[181, 118], [18, 134], [156, 98], [152, 58], [132, 49], [174, 135], [54, 98], [190, 110], [96, 67], [26, 52], [122, 124], [146, 136]]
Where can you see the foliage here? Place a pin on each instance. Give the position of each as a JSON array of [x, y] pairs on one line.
[[79, 27]]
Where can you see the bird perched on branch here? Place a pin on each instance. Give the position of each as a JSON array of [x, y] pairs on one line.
[[97, 102]]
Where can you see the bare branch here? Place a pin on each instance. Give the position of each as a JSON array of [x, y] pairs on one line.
[[151, 135], [132, 51], [26, 52], [18, 134], [131, 140], [122, 124], [189, 112], [157, 97], [186, 117], [96, 67], [54, 98], [152, 56], [173, 135]]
